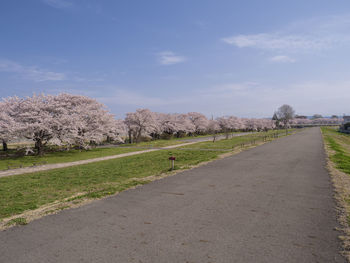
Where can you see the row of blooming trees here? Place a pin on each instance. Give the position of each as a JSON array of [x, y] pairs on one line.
[[144, 123], [73, 120], [318, 121]]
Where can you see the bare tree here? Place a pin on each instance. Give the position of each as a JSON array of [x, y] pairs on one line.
[[285, 113]]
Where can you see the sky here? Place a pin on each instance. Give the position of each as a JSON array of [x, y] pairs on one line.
[[244, 58]]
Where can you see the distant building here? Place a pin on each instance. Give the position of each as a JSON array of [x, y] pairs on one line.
[[346, 119]]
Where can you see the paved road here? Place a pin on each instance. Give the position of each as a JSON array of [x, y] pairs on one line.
[[269, 204]]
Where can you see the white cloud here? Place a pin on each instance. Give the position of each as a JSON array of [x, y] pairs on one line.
[[58, 3], [314, 34], [280, 42], [282, 59], [32, 73], [169, 58]]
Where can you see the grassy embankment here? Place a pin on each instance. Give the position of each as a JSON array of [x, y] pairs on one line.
[[338, 150], [77, 155], [339, 143], [21, 193]]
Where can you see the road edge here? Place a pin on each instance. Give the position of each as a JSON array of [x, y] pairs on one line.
[[341, 192]]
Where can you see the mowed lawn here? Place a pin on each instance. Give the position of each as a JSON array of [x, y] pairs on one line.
[[78, 155], [340, 144], [19, 193]]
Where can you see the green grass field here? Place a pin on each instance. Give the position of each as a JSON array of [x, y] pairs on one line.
[[76, 155], [19, 193], [340, 144]]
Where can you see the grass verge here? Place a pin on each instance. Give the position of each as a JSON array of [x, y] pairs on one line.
[[340, 145], [239, 141], [17, 221], [337, 146]]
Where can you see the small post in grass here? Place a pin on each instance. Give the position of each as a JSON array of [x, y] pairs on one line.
[[172, 159]]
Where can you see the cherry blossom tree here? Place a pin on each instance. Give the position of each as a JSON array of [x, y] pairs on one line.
[[64, 119], [140, 123], [37, 119], [163, 124], [178, 124], [199, 121], [168, 125], [117, 131], [8, 125], [82, 120], [185, 125], [228, 124], [213, 128], [5, 124], [225, 125]]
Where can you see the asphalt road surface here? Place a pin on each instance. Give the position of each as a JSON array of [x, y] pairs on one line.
[[270, 204]]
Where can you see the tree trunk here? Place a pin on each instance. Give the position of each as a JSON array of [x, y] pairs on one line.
[[226, 134], [4, 146], [39, 146], [130, 138], [138, 137]]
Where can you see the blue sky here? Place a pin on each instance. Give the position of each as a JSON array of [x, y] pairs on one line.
[[243, 58]]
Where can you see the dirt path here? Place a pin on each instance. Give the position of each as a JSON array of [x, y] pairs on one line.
[[272, 203], [45, 167], [93, 160]]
